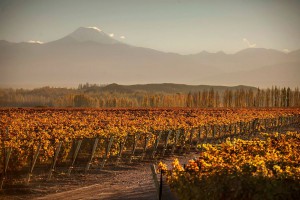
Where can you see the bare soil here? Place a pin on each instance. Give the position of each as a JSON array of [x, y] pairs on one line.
[[126, 181]]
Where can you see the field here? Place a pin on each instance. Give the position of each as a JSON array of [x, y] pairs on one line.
[[50, 143]]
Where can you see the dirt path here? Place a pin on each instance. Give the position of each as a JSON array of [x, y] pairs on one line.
[[131, 184], [128, 181]]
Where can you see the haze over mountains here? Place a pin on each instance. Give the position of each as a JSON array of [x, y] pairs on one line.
[[90, 55], [165, 88]]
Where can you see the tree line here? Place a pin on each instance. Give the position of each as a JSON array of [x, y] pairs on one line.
[[82, 97]]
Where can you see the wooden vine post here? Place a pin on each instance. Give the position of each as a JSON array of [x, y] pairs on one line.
[[92, 155], [136, 138], [147, 139], [122, 144], [35, 156], [280, 123], [183, 136], [52, 169], [107, 150], [199, 137], [220, 131], [191, 139], [254, 126], [166, 143], [266, 124], [176, 138], [230, 130], [241, 128], [235, 129], [156, 144], [206, 133], [6, 153], [75, 154], [213, 128], [7, 157]]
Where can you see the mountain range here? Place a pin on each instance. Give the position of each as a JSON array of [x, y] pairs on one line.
[[90, 55]]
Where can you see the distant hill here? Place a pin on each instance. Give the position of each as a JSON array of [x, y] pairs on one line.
[[120, 90], [90, 55], [170, 88]]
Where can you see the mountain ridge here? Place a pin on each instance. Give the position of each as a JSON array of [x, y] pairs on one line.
[[89, 55]]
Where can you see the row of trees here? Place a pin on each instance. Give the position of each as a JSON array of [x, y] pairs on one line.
[[271, 97], [274, 97]]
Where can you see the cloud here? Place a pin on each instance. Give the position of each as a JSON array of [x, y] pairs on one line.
[[122, 37], [111, 35], [35, 42], [246, 41], [95, 28], [286, 50]]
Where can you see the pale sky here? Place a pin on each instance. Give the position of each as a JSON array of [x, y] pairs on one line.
[[181, 26]]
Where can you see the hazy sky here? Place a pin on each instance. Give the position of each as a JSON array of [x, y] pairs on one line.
[[182, 26]]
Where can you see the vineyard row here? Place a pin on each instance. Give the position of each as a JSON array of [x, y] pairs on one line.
[[83, 153]]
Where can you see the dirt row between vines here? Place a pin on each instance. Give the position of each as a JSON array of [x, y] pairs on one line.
[[127, 181]]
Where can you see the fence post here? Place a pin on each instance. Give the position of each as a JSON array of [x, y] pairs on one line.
[[75, 156], [213, 127], [147, 138], [241, 128], [161, 184], [166, 143], [235, 129], [191, 139], [54, 160], [230, 130], [220, 131], [107, 151], [156, 144], [183, 141], [7, 157], [122, 144], [265, 123], [206, 133], [36, 154], [136, 138], [199, 137], [255, 128], [281, 123], [176, 137], [92, 154]]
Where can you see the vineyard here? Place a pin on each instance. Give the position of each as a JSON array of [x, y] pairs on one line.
[[83, 139], [261, 168]]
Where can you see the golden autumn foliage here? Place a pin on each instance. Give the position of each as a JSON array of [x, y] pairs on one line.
[[266, 167], [23, 129]]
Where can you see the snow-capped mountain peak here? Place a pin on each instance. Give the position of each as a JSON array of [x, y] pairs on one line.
[[93, 34]]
